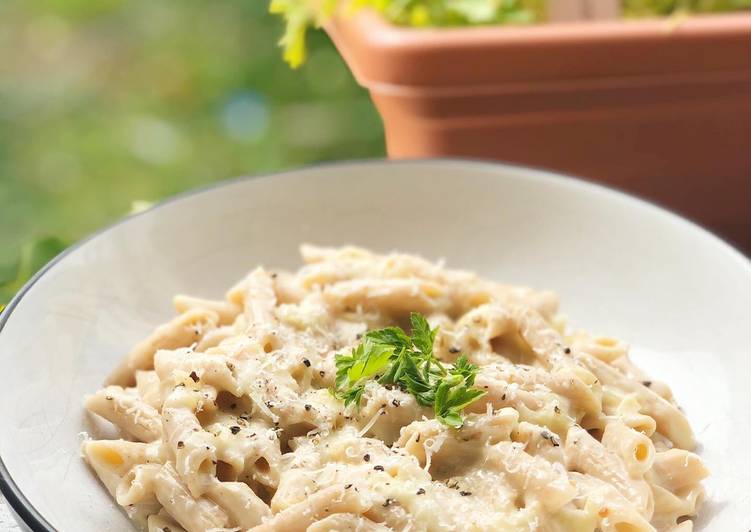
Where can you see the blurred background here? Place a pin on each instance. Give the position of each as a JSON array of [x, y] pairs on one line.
[[108, 105]]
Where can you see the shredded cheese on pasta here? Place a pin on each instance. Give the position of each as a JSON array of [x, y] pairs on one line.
[[228, 424]]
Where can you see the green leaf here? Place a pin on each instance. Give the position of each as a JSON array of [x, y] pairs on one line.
[[452, 419], [461, 397], [343, 365], [475, 11], [374, 360], [353, 395], [392, 336], [408, 362], [422, 336], [465, 369], [395, 371], [441, 395], [299, 15]]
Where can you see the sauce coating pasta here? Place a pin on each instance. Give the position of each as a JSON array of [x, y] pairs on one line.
[[228, 421]]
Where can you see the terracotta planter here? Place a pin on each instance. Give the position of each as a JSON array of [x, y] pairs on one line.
[[657, 107]]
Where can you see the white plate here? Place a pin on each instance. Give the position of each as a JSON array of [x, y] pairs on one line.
[[622, 266]]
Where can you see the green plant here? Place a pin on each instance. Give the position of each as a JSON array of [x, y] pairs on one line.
[[392, 358], [300, 15]]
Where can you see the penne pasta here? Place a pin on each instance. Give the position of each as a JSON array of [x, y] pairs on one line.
[[369, 392]]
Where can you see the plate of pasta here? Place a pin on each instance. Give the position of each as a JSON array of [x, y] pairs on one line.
[[377, 346]]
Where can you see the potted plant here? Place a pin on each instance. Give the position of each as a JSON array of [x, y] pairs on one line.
[[659, 105]]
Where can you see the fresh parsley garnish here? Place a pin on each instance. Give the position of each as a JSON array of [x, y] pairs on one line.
[[392, 357]]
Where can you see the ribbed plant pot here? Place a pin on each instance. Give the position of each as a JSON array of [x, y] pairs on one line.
[[661, 107]]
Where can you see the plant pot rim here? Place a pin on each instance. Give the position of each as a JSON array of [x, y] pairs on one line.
[[589, 30], [376, 50]]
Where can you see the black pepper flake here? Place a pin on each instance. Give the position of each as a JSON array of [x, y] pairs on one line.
[[454, 350], [306, 362], [647, 383], [421, 491], [556, 409], [322, 373], [194, 376], [378, 468], [166, 529], [396, 403], [417, 439], [366, 457], [567, 350], [550, 437], [208, 448], [388, 502], [347, 486], [465, 493], [307, 408], [180, 444], [234, 429], [503, 397]]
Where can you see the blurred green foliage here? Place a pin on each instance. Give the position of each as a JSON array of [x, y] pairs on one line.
[[107, 102], [34, 254]]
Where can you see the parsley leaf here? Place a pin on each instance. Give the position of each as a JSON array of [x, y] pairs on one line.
[[392, 336], [391, 357], [450, 401], [422, 336], [465, 369], [353, 395], [343, 364], [372, 358]]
